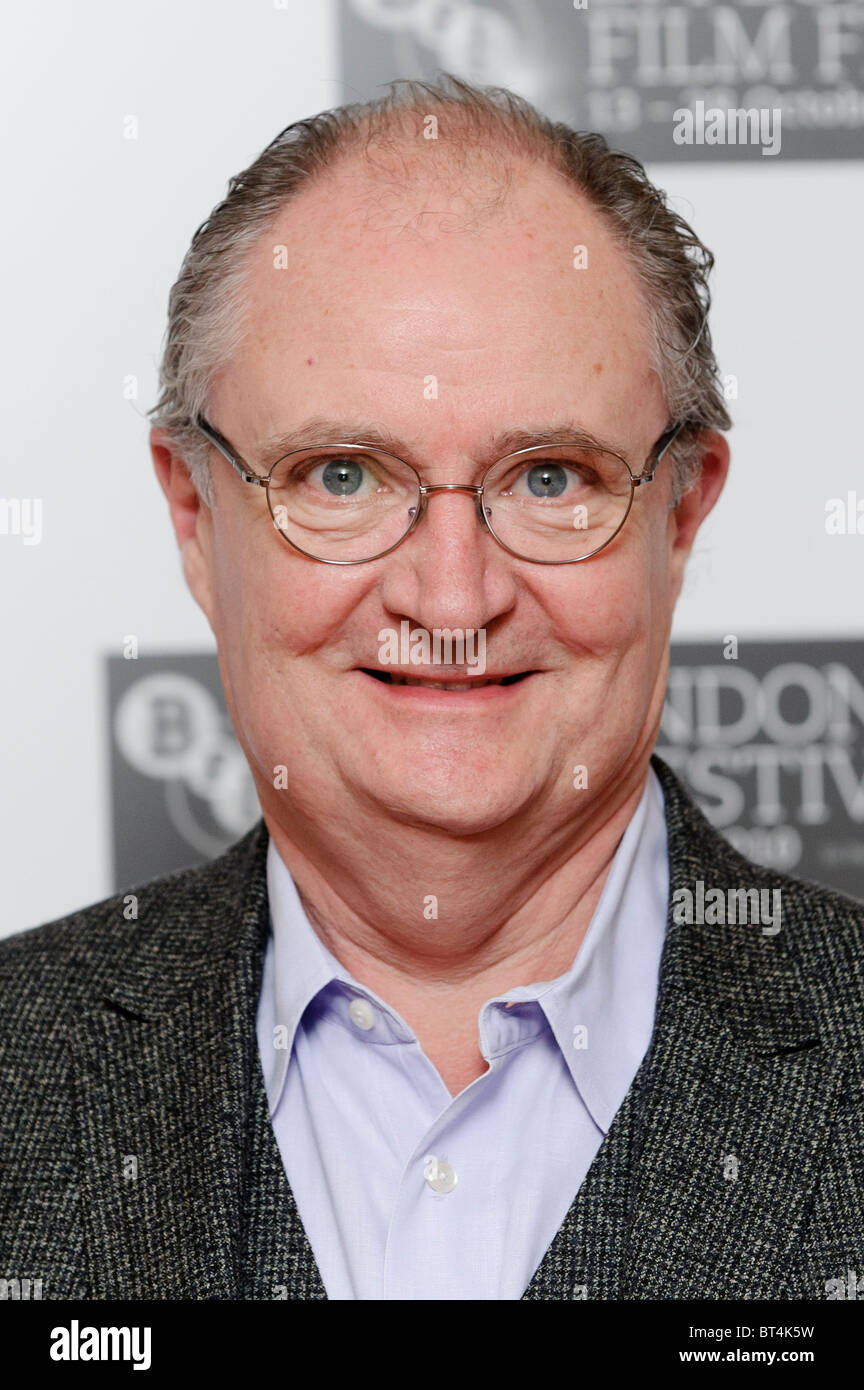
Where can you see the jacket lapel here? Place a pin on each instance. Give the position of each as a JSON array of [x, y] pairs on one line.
[[732, 1142], [698, 1188], [175, 1188], [278, 1260], [584, 1259], [738, 1094]]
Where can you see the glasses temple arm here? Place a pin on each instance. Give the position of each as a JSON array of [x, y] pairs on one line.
[[660, 448], [225, 450]]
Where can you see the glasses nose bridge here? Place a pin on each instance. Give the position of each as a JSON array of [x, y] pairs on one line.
[[476, 488], [426, 490]]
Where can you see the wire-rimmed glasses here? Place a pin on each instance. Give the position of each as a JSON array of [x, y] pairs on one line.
[[348, 504]]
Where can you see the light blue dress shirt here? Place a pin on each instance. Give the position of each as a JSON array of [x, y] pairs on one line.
[[406, 1192]]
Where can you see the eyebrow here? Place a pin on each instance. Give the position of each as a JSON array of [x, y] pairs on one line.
[[320, 430]]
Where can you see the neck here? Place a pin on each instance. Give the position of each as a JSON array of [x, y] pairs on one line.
[[425, 913]]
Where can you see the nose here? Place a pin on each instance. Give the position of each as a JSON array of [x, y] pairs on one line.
[[449, 572]]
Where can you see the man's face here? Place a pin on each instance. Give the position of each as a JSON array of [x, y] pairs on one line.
[[383, 290]]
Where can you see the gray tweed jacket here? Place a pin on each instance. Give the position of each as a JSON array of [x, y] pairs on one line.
[[137, 1159]]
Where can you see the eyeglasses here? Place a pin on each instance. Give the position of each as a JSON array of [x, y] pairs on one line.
[[348, 504]]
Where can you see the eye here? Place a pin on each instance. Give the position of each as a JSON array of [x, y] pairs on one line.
[[549, 478], [546, 480], [342, 476]]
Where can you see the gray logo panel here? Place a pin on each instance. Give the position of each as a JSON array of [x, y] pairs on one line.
[[647, 75]]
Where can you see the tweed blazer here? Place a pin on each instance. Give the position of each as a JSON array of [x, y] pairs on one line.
[[137, 1158]]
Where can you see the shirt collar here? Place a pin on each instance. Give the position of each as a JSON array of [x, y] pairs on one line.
[[601, 1011], [610, 991], [297, 966]]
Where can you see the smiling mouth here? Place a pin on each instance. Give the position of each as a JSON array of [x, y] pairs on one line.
[[467, 683]]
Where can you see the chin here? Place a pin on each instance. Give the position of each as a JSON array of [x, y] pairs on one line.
[[469, 809]]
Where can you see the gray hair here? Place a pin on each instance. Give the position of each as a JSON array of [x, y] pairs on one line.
[[206, 318]]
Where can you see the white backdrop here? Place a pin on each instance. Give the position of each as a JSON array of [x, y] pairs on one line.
[[94, 231]]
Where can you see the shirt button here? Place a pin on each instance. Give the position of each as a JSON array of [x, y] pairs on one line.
[[361, 1012], [440, 1176]]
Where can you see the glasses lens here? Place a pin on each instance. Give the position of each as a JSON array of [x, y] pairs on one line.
[[344, 504], [558, 504]]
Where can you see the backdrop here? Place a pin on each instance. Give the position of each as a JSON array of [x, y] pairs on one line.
[[122, 124]]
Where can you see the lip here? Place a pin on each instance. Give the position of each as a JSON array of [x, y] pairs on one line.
[[472, 694]]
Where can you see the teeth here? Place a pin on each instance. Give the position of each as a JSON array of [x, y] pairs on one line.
[[441, 685], [397, 678]]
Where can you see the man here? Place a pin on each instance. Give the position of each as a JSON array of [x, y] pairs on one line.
[[438, 373]]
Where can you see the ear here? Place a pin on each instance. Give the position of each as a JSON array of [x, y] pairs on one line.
[[190, 517], [694, 506]]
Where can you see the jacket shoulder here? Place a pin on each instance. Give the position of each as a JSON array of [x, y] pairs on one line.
[[822, 928], [825, 932], [67, 961]]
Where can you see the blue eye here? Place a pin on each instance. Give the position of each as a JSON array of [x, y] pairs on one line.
[[547, 480], [342, 477]]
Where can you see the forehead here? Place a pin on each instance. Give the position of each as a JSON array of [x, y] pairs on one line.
[[469, 273]]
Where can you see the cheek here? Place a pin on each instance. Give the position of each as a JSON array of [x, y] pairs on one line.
[[243, 574], [602, 610], [613, 612], [273, 605]]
